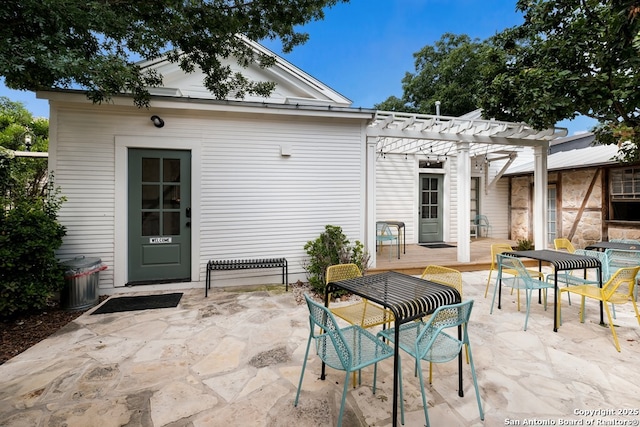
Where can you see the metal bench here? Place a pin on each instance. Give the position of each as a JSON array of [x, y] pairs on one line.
[[246, 264]]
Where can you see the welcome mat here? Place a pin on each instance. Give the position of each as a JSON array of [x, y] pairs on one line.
[[143, 302], [436, 245]]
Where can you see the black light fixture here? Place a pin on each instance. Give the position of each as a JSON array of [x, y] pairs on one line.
[[157, 121]]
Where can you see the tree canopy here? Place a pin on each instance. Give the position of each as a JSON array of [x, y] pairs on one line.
[[569, 57], [446, 72], [95, 45]]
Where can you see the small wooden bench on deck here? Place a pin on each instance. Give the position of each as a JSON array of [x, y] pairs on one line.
[[246, 264]]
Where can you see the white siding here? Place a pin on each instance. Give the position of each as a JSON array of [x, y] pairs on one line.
[[397, 187], [255, 203], [495, 203], [396, 192]]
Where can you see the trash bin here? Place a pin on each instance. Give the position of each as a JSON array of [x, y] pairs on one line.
[[81, 283]]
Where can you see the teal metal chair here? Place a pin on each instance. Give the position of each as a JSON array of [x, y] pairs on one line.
[[348, 349], [430, 342], [523, 280], [384, 234], [482, 222]]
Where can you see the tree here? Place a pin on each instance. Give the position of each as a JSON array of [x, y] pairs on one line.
[[93, 45], [445, 72], [19, 175], [29, 231], [569, 57]]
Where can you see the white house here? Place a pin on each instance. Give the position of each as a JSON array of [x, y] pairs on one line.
[[155, 193]]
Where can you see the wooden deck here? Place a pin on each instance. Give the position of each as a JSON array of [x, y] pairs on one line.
[[418, 257]]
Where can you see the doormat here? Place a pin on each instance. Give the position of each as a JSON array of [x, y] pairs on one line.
[[436, 245], [143, 302]]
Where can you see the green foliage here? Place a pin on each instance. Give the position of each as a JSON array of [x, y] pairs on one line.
[[330, 248], [569, 57], [445, 72], [21, 175], [94, 45], [524, 245], [29, 236]]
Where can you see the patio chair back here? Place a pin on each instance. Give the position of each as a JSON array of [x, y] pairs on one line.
[[563, 244], [444, 276], [496, 248]]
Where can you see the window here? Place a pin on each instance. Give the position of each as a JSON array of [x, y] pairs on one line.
[[475, 198], [552, 213], [625, 194]]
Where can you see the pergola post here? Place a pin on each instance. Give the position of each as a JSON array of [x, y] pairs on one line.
[[540, 196], [370, 199], [463, 190]]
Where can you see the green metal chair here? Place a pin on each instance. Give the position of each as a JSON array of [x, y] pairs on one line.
[[348, 349], [429, 342], [522, 280]]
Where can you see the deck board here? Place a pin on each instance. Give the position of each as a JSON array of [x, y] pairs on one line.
[[418, 257]]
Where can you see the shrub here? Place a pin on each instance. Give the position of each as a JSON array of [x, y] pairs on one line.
[[525, 245], [332, 247], [30, 274]]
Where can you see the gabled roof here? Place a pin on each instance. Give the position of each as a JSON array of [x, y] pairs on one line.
[[572, 153], [293, 86]]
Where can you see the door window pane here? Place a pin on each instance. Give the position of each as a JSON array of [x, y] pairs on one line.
[[150, 170], [150, 223], [171, 170], [171, 197], [171, 224], [150, 196]]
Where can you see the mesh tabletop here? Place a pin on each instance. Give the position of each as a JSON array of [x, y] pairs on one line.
[[560, 260], [406, 296]]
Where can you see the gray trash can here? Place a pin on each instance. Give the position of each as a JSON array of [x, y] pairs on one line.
[[81, 283]]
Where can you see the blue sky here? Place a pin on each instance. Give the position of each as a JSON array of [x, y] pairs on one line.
[[363, 48]]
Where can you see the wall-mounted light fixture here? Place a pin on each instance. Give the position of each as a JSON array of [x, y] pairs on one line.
[[157, 121]]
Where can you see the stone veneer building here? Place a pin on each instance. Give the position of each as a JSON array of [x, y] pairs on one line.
[[591, 196]]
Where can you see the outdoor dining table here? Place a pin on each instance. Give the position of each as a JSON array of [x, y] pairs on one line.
[[561, 261], [409, 298]]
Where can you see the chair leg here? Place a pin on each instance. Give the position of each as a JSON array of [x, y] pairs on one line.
[[424, 399], [475, 380], [304, 365], [344, 398], [612, 327], [495, 290], [529, 296], [559, 310], [486, 289]]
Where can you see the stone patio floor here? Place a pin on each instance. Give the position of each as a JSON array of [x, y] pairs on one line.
[[234, 359]]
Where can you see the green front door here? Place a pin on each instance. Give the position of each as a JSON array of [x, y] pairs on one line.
[[430, 211], [159, 209]]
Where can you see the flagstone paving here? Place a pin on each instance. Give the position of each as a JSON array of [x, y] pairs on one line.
[[234, 359]]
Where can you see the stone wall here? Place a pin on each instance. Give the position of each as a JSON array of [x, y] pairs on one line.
[[520, 208], [572, 188]]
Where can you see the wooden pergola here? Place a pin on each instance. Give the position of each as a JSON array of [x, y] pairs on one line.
[[462, 137]]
